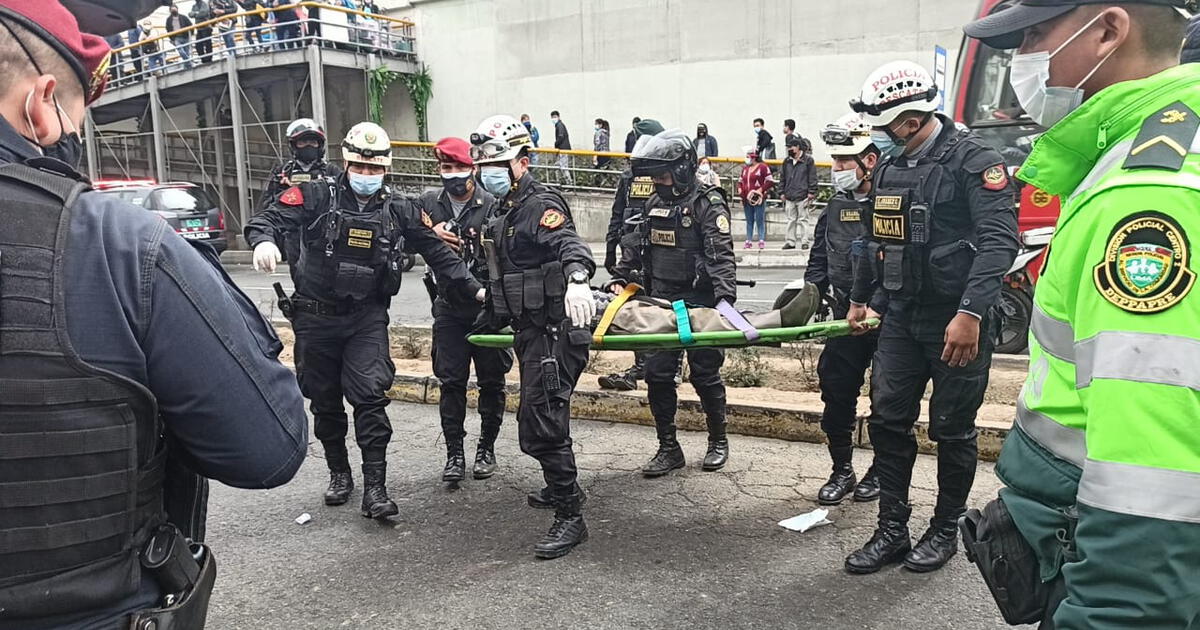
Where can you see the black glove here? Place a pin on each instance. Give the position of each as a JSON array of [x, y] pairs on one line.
[[610, 259]]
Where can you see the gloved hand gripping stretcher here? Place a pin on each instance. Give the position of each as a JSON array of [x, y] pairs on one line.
[[636, 322]]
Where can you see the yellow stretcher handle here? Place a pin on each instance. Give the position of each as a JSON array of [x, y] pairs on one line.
[[610, 313]]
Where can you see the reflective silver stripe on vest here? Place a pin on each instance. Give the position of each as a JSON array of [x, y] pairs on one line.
[[1140, 358], [1056, 338], [1062, 441], [1110, 160], [1172, 495]]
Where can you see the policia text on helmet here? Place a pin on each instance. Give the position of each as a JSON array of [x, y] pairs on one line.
[[669, 159]]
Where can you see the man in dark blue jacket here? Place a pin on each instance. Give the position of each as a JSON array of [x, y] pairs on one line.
[[130, 366]]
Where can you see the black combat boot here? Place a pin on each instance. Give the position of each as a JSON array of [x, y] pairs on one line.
[[341, 482], [890, 542], [718, 443], [868, 488], [938, 544], [843, 481], [485, 460], [669, 457], [456, 463], [375, 503], [544, 500], [568, 529], [663, 401], [621, 381]]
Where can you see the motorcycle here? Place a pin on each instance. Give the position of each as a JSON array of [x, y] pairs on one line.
[[1015, 306]]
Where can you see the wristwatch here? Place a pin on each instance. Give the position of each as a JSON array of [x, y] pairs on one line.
[[578, 277]]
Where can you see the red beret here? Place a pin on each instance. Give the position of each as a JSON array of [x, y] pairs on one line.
[[87, 54], [452, 150]]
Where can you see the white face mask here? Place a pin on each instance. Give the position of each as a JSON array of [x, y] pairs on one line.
[[1029, 74], [704, 168], [847, 180]]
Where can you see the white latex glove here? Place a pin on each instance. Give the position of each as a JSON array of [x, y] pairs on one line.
[[481, 295], [579, 303], [266, 256]]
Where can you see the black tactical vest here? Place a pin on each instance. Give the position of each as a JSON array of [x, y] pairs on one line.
[[673, 241], [529, 292], [81, 457], [843, 245], [920, 227], [346, 256], [637, 193]]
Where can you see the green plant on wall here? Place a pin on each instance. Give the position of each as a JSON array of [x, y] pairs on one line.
[[420, 89], [378, 82]]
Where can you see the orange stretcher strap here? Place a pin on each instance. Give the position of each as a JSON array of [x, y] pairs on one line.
[[610, 313]]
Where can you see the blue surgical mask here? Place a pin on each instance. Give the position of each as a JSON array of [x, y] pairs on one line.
[[528, 125], [887, 147], [365, 185], [496, 180], [758, 130]]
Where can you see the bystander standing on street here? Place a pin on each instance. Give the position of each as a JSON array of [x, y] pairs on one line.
[[763, 140], [151, 49], [706, 145], [632, 136], [202, 12], [600, 140], [221, 8], [705, 174], [798, 189], [177, 21], [752, 188], [562, 142], [533, 135], [133, 36]]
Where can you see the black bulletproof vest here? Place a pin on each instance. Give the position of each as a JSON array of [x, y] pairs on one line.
[[673, 241], [843, 226], [531, 286], [345, 254], [81, 457], [637, 193], [912, 217]]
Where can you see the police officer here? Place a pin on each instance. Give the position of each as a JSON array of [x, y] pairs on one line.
[[353, 231], [307, 141], [632, 193], [1103, 464], [941, 230], [460, 211], [686, 256], [129, 366], [539, 269], [837, 250]]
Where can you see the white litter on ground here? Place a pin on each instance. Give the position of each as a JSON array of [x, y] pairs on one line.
[[805, 522]]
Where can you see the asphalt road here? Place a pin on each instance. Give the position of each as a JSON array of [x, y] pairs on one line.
[[693, 550], [411, 305]]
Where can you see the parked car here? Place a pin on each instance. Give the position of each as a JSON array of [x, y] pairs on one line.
[[187, 208]]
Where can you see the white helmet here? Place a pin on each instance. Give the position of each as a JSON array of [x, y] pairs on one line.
[[895, 88], [303, 127], [367, 143], [850, 135], [499, 138]]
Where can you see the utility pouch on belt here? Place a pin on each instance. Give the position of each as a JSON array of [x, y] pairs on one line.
[[187, 609], [514, 293], [285, 303], [550, 380], [893, 267], [555, 286], [1007, 562]]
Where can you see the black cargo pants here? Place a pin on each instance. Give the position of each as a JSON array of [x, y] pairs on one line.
[[452, 358], [346, 356], [909, 355]]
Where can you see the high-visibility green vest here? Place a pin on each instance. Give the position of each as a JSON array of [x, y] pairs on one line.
[[1114, 377]]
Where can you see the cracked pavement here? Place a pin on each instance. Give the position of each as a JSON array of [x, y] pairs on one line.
[[692, 550]]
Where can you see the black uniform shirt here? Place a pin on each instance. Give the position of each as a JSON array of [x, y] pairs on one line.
[[540, 230]]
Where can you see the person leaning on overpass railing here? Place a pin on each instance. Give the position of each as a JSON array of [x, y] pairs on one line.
[[127, 357]]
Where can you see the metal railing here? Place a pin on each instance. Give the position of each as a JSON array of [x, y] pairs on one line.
[[251, 32], [414, 167]]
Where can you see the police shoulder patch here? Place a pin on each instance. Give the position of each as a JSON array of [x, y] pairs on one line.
[[552, 219], [426, 220], [292, 197], [1146, 265], [995, 177], [723, 223]]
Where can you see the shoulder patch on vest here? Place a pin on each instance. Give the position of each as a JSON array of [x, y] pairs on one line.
[[552, 219], [426, 220], [995, 177], [1164, 139], [1146, 264], [292, 197], [722, 223]]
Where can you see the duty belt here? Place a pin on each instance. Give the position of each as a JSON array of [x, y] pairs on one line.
[[323, 308]]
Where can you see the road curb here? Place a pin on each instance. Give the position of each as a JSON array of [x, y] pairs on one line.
[[782, 423]]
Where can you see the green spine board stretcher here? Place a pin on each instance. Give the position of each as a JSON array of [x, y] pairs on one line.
[[718, 338]]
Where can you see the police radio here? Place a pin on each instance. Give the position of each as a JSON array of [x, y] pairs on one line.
[[550, 380], [918, 230]]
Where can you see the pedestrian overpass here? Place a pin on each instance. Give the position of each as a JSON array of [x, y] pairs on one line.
[[220, 124]]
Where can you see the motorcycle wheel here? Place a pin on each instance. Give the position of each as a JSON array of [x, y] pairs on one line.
[[1016, 312]]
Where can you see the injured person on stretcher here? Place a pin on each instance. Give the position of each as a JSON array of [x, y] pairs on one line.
[[636, 314]]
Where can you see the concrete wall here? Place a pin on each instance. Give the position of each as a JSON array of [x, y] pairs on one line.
[[723, 62]]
